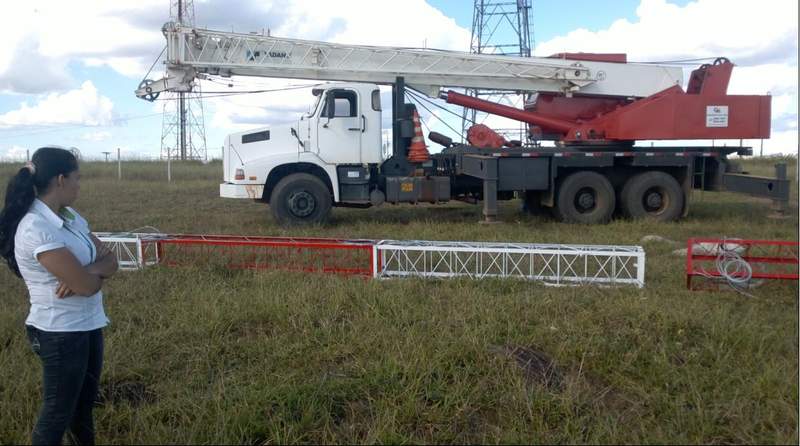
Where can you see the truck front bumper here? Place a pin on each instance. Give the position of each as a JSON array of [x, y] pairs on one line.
[[251, 191]]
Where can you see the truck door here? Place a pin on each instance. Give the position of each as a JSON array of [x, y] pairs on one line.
[[340, 127]]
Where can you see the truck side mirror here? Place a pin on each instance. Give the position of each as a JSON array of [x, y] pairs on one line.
[[330, 107]]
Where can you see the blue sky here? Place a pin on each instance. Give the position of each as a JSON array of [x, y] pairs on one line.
[[554, 18], [67, 73]]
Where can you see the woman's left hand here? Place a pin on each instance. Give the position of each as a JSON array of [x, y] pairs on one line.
[[63, 291]]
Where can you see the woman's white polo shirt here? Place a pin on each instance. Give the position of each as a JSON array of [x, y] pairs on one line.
[[43, 230]]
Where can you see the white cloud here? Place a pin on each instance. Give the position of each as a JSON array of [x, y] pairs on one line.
[[128, 66], [40, 38], [382, 23], [28, 71], [83, 106]]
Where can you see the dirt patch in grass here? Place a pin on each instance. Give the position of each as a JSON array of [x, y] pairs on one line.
[[132, 392], [605, 395], [538, 367], [252, 329]]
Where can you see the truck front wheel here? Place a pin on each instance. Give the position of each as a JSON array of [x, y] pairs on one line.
[[585, 197], [300, 199], [654, 195]]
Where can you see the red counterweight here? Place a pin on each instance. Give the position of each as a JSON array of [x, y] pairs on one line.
[[482, 136]]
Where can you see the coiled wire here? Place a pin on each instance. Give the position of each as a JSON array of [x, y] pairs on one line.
[[732, 268]]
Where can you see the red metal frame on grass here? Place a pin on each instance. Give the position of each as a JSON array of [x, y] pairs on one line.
[[306, 254], [769, 259]]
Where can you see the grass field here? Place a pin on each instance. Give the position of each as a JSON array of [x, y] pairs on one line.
[[197, 355]]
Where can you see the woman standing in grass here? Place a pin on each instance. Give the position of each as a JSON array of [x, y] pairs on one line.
[[49, 245]]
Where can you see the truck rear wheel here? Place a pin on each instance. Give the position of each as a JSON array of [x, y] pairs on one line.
[[300, 199], [585, 197], [654, 195]]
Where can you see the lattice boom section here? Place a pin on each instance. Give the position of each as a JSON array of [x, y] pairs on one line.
[[556, 264], [346, 257], [133, 251]]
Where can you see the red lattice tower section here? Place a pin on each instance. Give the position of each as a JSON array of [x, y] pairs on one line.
[[320, 255], [768, 259]]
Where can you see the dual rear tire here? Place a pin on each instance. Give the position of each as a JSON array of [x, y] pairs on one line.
[[585, 197], [652, 195], [588, 197]]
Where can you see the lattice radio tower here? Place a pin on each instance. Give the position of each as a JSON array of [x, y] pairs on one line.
[[183, 133], [502, 28]]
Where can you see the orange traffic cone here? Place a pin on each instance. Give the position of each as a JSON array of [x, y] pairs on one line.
[[417, 151]]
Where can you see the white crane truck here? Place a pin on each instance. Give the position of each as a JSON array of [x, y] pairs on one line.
[[593, 105]]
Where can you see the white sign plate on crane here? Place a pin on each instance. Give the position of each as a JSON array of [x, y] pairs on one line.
[[717, 116]]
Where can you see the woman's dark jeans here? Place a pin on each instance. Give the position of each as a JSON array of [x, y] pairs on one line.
[[71, 362]]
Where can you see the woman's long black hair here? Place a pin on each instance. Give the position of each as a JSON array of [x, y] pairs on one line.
[[24, 187]]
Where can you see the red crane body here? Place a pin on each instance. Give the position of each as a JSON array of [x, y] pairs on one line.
[[704, 111]]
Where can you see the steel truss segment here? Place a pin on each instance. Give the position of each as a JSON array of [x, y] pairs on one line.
[[227, 53], [560, 264], [348, 257], [133, 251]]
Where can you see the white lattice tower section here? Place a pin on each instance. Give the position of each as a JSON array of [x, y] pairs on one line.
[[553, 264], [502, 28], [133, 251], [183, 134]]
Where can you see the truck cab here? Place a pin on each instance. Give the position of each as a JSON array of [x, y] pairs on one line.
[[342, 128]]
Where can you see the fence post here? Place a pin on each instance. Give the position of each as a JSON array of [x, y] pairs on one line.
[[169, 166], [119, 164]]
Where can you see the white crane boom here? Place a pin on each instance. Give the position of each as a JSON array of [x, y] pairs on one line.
[[192, 52]]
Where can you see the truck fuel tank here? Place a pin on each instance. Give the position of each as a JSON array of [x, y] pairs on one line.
[[429, 189]]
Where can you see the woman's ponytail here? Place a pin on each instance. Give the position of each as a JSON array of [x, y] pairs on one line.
[[20, 193]]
